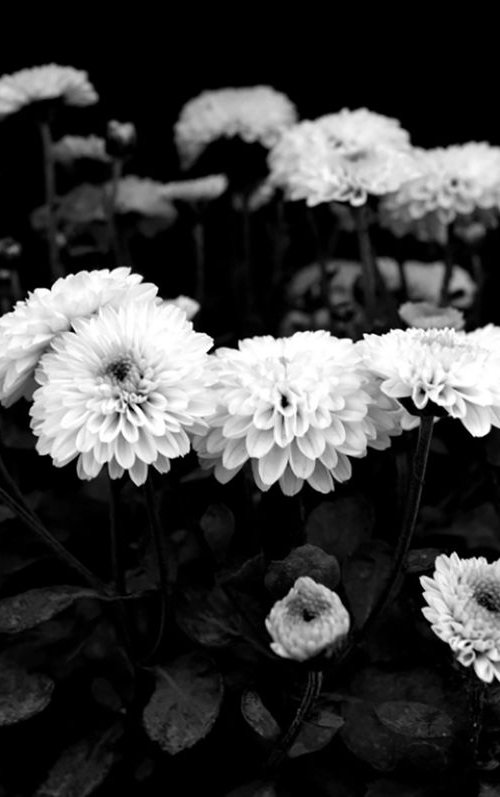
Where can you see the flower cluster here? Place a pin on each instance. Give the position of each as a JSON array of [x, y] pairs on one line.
[[455, 183], [71, 148], [463, 600], [257, 115], [343, 157], [49, 82]]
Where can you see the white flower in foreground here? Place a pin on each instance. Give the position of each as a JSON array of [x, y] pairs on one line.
[[122, 390], [50, 82], [438, 372], [71, 148], [426, 315], [488, 337], [257, 114], [30, 328], [310, 620], [456, 182], [189, 306], [204, 189], [297, 408], [464, 610], [342, 157]]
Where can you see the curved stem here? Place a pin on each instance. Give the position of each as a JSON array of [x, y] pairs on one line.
[[50, 200], [311, 693]]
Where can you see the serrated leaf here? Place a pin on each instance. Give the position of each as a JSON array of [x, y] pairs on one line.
[[258, 716], [317, 730], [82, 768], [185, 703], [415, 719], [22, 694], [29, 609]]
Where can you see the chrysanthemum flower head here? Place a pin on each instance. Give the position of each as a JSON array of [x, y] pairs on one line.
[[49, 82], [122, 390], [189, 306], [426, 315], [256, 115], [296, 408], [71, 148], [30, 328], [342, 157], [438, 372], [463, 600], [203, 189], [308, 621], [143, 196]]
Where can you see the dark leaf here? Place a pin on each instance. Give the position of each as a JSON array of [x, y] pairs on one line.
[[22, 694], [258, 716], [257, 788], [366, 737], [185, 703], [393, 788], [364, 577], [208, 618], [489, 790], [421, 560], [307, 560], [318, 729], [415, 719], [340, 526], [218, 525], [29, 609]]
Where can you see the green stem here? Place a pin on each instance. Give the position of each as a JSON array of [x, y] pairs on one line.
[[50, 200], [311, 693], [448, 268]]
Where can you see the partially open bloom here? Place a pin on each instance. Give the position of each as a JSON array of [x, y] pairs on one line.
[[296, 408], [71, 148], [464, 609], [426, 315], [204, 189], [342, 157], [310, 620], [438, 372], [256, 115], [457, 183], [30, 328], [122, 390], [49, 82]]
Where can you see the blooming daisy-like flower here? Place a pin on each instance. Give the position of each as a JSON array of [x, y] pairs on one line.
[[122, 390], [438, 372], [204, 189], [257, 115], [296, 408], [488, 337], [426, 315], [143, 196], [464, 610], [310, 620], [342, 157], [50, 82], [71, 148], [30, 328], [460, 182]]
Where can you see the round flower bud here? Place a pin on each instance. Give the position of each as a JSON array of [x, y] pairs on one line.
[[121, 138]]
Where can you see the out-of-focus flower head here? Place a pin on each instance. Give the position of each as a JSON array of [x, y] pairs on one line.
[[438, 372], [121, 138], [188, 305], [71, 148], [122, 390], [256, 115], [42, 83], [10, 249], [296, 408], [342, 157], [430, 316], [463, 600], [145, 197], [28, 331], [460, 182], [203, 189], [308, 621]]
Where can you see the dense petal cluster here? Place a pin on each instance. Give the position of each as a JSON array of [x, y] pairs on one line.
[[427, 315], [342, 157], [463, 600], [455, 183], [309, 620], [204, 189], [28, 330], [49, 82], [296, 408], [438, 372], [122, 390], [257, 115], [71, 148]]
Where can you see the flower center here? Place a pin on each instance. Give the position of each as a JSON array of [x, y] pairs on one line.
[[487, 595], [124, 374]]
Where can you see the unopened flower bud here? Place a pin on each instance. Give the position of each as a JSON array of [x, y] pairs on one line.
[[121, 138]]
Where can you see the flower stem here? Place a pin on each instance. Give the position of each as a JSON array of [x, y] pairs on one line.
[[50, 200], [311, 693], [116, 246], [368, 263], [199, 259], [448, 268], [323, 265], [117, 569], [476, 694]]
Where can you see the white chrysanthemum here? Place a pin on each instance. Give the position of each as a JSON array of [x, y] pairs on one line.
[[426, 315], [487, 337], [50, 82], [71, 148], [297, 408], [257, 114], [456, 182], [204, 189], [189, 306], [464, 610], [440, 372], [122, 390], [342, 157], [143, 196], [28, 330], [309, 620]]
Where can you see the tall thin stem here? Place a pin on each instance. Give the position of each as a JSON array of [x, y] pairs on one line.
[[311, 693], [50, 200], [323, 265], [199, 259], [448, 268], [116, 245], [368, 263], [476, 694], [117, 569]]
